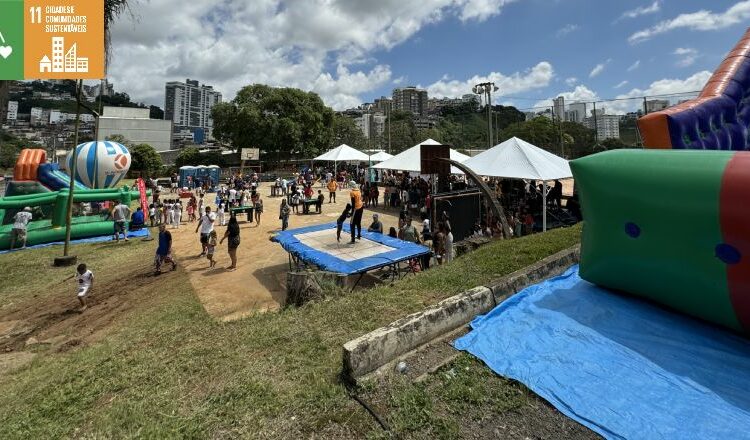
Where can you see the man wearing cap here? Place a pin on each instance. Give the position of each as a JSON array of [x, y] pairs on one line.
[[121, 214], [376, 226], [20, 223]]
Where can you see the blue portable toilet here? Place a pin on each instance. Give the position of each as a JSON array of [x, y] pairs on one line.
[[184, 173]]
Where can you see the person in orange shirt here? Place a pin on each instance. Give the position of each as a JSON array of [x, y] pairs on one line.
[[359, 209], [332, 187]]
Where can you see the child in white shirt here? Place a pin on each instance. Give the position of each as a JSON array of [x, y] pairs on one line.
[[85, 280]]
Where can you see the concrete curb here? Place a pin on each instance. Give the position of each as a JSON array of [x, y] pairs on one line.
[[367, 353]]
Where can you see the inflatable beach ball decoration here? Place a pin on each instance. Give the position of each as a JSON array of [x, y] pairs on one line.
[[100, 164]]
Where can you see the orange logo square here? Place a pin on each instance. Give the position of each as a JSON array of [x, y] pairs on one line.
[[64, 39]]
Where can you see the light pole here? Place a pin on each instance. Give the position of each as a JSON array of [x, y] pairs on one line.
[[486, 89]]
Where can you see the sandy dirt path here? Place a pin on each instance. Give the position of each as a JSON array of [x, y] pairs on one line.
[[259, 283]]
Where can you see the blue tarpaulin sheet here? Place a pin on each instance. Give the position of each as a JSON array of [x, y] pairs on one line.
[[131, 234], [619, 365], [402, 250]]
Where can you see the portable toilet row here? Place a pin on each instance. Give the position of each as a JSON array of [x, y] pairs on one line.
[[200, 174]]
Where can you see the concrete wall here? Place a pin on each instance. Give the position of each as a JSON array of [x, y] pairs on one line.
[[126, 112], [375, 349], [155, 132]]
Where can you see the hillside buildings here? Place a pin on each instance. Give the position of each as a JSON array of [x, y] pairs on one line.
[[410, 99], [188, 105]]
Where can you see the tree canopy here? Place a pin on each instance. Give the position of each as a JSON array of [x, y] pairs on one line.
[[282, 122], [145, 159]]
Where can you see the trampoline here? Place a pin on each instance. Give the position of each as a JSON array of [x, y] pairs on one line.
[[317, 246]]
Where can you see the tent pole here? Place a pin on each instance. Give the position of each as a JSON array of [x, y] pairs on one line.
[[544, 206]]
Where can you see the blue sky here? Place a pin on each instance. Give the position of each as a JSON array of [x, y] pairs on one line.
[[351, 51]]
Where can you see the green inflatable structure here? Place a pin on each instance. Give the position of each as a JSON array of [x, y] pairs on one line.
[[51, 207], [671, 226]]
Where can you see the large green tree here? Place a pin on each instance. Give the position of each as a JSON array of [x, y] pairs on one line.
[[285, 122], [345, 131], [145, 160]]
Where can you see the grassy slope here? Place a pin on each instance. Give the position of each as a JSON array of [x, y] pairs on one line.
[[172, 371]]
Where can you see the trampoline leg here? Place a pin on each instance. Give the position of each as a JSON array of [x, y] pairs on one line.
[[358, 280]]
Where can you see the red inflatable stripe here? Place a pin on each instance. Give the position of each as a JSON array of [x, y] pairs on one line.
[[735, 227]]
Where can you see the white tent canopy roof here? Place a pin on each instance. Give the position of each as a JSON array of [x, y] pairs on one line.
[[518, 159], [343, 153], [411, 159], [380, 156]]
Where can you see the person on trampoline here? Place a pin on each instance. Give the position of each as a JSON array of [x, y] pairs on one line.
[[358, 208], [342, 218]]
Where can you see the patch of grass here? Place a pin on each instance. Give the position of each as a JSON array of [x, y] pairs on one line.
[[30, 273], [172, 371]]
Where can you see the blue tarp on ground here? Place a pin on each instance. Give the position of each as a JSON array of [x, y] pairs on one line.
[[131, 234], [403, 250], [623, 367]]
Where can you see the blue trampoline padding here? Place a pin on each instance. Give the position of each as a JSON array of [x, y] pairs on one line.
[[131, 234], [619, 365], [403, 250]]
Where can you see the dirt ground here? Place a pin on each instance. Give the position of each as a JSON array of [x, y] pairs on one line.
[[259, 283]]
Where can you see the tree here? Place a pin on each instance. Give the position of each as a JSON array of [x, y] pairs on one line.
[[613, 144], [145, 159], [156, 112], [345, 131], [286, 121], [403, 131], [120, 139], [188, 157]]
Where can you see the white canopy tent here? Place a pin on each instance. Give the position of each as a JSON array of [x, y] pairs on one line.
[[411, 159], [380, 156], [343, 153], [518, 159]]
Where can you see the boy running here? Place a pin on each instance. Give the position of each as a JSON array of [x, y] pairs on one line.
[[85, 279]]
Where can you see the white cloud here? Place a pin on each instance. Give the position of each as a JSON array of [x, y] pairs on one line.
[[571, 81], [633, 99], [687, 56], [702, 20], [480, 10], [641, 10], [634, 66], [234, 43], [622, 84], [536, 77], [565, 30], [599, 68]]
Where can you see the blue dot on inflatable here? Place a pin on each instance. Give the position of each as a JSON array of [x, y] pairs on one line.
[[728, 253], [632, 230]]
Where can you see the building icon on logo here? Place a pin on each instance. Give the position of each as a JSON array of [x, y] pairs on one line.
[[62, 61]]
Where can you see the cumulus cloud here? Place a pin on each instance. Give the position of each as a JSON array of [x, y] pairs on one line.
[[641, 10], [634, 66], [311, 45], [687, 56], [480, 10], [565, 30], [536, 77], [599, 68], [633, 99], [702, 20], [571, 81]]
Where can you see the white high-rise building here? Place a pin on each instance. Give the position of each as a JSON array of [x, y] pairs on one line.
[[188, 105], [559, 108], [12, 111], [576, 112], [606, 126]]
